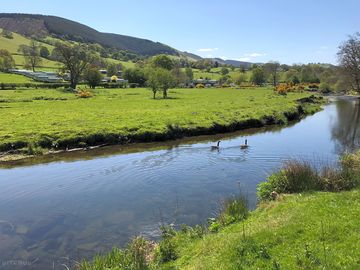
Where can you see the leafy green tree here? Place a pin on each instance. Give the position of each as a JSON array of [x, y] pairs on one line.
[[224, 71], [240, 78], [7, 34], [75, 60], [189, 75], [31, 54], [272, 70], [135, 75], [258, 76], [160, 79], [112, 69], [162, 61], [6, 60], [44, 52], [349, 59], [93, 76]]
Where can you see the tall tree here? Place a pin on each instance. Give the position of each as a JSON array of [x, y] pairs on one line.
[[75, 60], [162, 61], [272, 70], [160, 79], [258, 76], [6, 60], [31, 54], [349, 59], [93, 76]]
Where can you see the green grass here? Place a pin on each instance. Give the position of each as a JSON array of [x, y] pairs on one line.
[[55, 116], [14, 78], [302, 231]]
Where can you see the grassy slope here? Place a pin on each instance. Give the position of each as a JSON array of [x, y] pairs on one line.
[[303, 231], [12, 45], [30, 115], [14, 78]]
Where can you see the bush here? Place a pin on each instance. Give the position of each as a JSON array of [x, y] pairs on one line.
[[84, 94], [296, 176], [233, 209], [325, 88], [300, 176]]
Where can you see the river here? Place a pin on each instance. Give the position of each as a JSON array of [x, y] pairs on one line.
[[59, 209]]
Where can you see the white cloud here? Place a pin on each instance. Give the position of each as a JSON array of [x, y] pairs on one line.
[[244, 59], [224, 57], [323, 48], [208, 50], [255, 54]]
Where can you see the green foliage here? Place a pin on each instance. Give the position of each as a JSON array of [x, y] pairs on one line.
[[232, 210], [31, 54], [325, 88], [112, 69], [300, 176], [162, 61], [135, 75], [6, 61], [93, 77], [160, 79], [44, 52], [258, 76]]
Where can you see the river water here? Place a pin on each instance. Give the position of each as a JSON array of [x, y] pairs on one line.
[[62, 208]]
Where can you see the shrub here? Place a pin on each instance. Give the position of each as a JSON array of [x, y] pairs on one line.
[[324, 88], [84, 94], [233, 209], [300, 176], [166, 252], [296, 176]]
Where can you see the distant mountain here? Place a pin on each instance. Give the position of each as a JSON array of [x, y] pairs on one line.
[[41, 25], [234, 63]]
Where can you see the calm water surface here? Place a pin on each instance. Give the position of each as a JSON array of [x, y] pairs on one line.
[[63, 210]]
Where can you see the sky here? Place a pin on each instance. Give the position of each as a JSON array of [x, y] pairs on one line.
[[288, 31]]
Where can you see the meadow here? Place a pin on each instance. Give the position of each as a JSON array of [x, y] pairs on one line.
[[59, 119]]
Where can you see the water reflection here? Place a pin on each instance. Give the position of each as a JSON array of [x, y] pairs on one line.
[[346, 125], [79, 204]]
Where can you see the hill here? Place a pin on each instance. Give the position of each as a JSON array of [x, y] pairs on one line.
[[41, 25]]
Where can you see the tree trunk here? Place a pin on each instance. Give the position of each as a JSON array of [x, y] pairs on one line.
[[164, 93], [154, 93]]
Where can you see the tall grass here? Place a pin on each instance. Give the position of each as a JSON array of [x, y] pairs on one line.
[[301, 176]]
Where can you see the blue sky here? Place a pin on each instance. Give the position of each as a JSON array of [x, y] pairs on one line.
[[292, 31]]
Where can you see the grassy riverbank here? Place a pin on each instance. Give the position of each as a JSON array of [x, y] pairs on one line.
[[56, 119], [314, 229]]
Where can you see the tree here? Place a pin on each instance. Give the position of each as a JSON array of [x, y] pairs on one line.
[[6, 60], [162, 61], [93, 76], [31, 54], [224, 71], [44, 52], [7, 34], [189, 75], [258, 76], [240, 78], [75, 59], [112, 69], [272, 69], [160, 79], [135, 75], [179, 75], [349, 59]]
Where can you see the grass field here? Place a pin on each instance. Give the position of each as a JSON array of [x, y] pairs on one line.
[[54, 117], [14, 78], [303, 231]]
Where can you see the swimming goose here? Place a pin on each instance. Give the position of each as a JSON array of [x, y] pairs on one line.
[[244, 146], [216, 147]]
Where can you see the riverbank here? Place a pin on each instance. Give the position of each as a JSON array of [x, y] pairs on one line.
[[309, 229], [124, 116]]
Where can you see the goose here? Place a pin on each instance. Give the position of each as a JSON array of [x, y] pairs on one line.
[[216, 147], [244, 146]]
